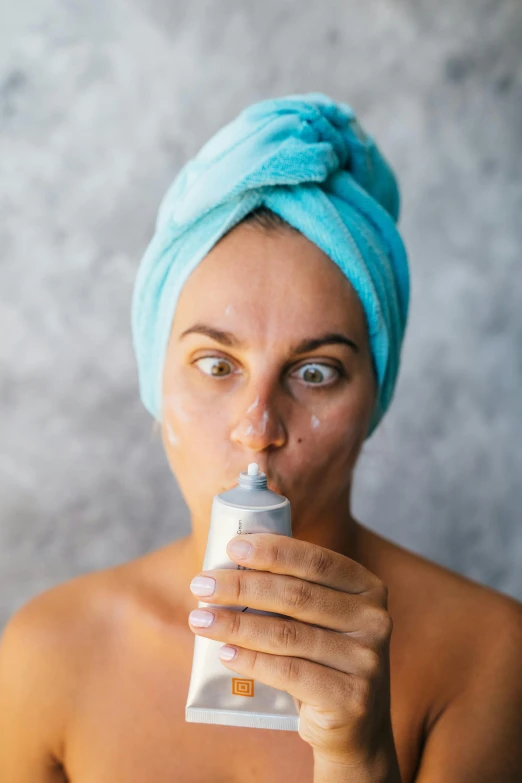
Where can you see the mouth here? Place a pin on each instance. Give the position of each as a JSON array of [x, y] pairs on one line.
[[263, 468]]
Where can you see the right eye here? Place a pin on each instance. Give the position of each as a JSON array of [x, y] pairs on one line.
[[214, 366]]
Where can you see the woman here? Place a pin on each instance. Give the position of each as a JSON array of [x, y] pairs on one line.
[[268, 318]]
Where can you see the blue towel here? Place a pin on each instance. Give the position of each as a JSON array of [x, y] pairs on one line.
[[308, 159]]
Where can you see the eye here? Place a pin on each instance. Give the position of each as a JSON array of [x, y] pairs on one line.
[[215, 366], [317, 374]]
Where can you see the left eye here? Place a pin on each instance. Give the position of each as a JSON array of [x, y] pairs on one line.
[[317, 374]]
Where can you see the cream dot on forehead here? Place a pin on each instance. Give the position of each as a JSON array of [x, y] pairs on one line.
[[315, 421], [229, 310]]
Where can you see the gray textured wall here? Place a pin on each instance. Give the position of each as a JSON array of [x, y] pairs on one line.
[[100, 104]]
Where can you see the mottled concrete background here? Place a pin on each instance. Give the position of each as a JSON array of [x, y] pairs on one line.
[[100, 104]]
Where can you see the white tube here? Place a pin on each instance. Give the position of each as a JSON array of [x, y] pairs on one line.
[[216, 694]]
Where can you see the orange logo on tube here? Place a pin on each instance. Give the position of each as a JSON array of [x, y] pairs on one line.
[[242, 687]]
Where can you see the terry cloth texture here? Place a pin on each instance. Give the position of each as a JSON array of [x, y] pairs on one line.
[[307, 158]]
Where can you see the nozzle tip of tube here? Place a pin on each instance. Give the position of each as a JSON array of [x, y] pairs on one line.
[[253, 469]]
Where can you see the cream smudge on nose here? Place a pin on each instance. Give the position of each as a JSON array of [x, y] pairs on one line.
[[264, 421], [259, 430], [254, 404]]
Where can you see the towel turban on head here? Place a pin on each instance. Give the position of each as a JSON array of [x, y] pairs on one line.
[[306, 158]]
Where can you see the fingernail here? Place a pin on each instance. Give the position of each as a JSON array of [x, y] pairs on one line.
[[240, 549], [227, 653], [201, 619], [203, 585]]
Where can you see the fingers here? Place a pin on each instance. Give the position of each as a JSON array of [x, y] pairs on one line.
[[285, 555], [310, 683], [296, 598], [289, 638]]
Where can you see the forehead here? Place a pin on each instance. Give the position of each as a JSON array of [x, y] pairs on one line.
[[275, 282]]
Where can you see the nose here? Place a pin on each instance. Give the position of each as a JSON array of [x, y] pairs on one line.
[[258, 426]]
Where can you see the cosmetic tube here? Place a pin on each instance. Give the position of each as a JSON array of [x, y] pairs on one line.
[[217, 694]]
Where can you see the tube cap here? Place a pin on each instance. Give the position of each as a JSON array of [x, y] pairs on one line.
[[252, 478]]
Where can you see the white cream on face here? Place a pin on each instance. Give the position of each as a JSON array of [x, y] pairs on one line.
[[254, 404], [171, 435], [256, 428], [264, 422], [174, 405], [315, 421], [229, 310]]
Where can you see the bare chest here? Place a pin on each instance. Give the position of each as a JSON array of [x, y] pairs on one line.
[[131, 727]]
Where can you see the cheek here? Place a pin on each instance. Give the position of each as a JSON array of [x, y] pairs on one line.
[[175, 408], [175, 420], [196, 440], [194, 431], [331, 434], [331, 431], [171, 436]]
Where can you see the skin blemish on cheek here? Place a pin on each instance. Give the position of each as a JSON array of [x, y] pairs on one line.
[[315, 421]]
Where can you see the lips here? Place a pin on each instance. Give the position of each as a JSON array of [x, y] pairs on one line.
[[263, 468]]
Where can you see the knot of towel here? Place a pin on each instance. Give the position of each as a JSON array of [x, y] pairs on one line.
[[307, 158]]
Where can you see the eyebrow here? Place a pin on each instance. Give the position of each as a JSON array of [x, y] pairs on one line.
[[309, 344]]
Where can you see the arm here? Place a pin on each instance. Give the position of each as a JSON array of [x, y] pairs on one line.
[[31, 704], [477, 738]]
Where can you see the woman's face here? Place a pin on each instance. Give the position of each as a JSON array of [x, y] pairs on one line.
[[268, 362]]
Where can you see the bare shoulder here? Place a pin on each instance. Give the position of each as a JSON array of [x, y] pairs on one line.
[[417, 584], [461, 643], [457, 617], [46, 651]]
